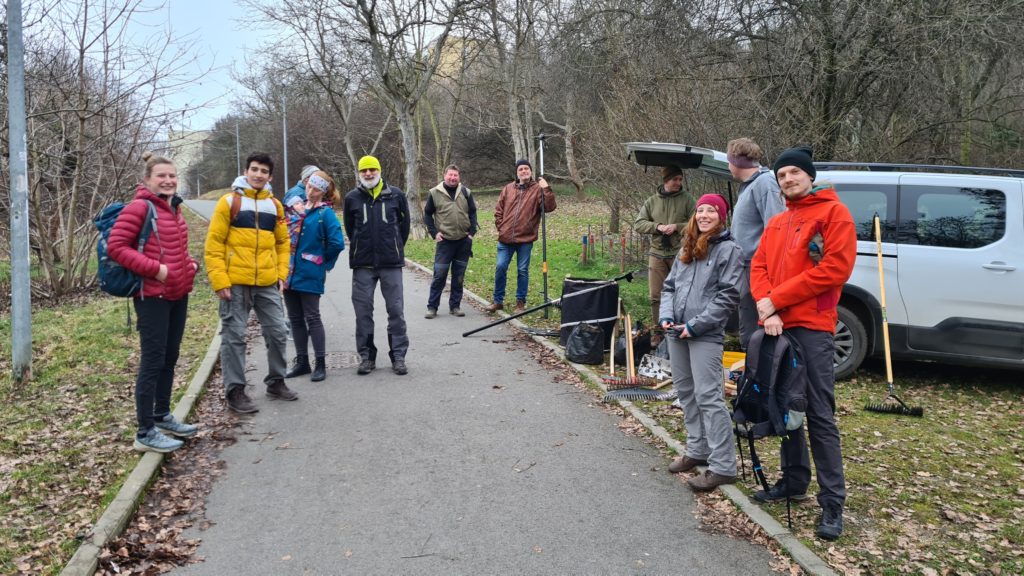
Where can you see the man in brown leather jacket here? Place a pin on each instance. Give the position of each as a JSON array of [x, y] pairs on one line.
[[517, 217]]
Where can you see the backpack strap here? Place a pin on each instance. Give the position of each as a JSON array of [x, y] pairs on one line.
[[779, 355], [235, 206], [148, 227]]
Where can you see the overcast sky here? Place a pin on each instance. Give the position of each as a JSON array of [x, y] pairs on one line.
[[219, 42]]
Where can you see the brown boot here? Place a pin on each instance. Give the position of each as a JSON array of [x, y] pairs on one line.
[[685, 464], [520, 305], [709, 481], [494, 307], [279, 390], [239, 401]]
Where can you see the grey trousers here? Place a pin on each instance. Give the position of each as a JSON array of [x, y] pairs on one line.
[[234, 317], [364, 284], [698, 377], [747, 307], [817, 347]]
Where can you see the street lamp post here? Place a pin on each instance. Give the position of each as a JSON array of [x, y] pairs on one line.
[[284, 123]]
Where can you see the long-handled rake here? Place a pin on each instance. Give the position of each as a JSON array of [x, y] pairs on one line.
[[885, 406]]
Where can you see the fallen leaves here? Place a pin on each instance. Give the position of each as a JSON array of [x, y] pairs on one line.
[[152, 542]]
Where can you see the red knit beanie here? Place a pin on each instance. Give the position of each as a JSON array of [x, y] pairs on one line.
[[717, 202]]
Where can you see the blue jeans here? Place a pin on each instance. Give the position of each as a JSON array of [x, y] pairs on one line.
[[505, 252]]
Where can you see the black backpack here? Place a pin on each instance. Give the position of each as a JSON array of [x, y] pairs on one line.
[[771, 398]]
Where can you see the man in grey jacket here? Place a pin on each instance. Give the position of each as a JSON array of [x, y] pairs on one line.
[[759, 199]]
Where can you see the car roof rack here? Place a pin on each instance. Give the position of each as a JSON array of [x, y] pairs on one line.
[[883, 167]]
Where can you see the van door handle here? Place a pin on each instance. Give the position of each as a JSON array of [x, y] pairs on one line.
[[1000, 266]]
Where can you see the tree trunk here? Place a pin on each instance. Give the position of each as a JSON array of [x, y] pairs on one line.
[[408, 128]]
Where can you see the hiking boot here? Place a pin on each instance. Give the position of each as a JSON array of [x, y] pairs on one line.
[[239, 401], [399, 367], [494, 307], [366, 366], [520, 305], [280, 391], [830, 524], [320, 370], [709, 481], [431, 313], [457, 312], [172, 426], [155, 441], [300, 367], [777, 493], [685, 464]]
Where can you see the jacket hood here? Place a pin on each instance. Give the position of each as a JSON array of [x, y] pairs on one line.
[[241, 185], [722, 237], [143, 193]]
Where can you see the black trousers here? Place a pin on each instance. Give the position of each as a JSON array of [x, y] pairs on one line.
[[161, 324], [304, 314], [822, 430]]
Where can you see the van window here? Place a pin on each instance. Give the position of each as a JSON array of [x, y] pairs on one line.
[[951, 217], [866, 200]]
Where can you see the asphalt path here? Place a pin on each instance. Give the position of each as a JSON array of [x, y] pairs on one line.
[[476, 462]]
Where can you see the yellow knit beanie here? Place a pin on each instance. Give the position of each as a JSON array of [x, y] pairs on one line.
[[368, 162]]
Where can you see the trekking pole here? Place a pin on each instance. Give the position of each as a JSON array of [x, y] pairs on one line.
[[628, 277], [543, 226]]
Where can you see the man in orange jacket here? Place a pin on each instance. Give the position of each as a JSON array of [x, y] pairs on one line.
[[796, 277]]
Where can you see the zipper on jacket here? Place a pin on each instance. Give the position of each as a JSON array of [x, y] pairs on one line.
[[256, 255]]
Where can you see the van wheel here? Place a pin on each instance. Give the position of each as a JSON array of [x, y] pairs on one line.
[[851, 343]]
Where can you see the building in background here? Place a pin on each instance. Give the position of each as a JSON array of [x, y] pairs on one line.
[[186, 147]]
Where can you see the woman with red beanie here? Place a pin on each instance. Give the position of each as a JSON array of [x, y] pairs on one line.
[[697, 299]]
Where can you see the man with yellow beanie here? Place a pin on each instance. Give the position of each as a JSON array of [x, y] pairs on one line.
[[376, 219]]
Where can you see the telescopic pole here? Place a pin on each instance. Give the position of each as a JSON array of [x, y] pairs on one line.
[[543, 228]]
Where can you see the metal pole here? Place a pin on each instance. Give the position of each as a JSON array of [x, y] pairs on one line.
[[238, 152], [21, 281], [543, 227], [284, 120]]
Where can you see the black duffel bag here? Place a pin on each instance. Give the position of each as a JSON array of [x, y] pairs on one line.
[[585, 344]]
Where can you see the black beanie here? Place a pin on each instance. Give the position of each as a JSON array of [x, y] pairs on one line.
[[523, 162], [800, 156]]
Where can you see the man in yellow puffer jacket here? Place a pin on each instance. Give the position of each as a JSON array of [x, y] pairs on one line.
[[247, 252]]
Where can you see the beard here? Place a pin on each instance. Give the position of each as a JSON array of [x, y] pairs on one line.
[[370, 183]]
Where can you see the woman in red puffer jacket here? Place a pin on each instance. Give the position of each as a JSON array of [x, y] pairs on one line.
[[167, 271]]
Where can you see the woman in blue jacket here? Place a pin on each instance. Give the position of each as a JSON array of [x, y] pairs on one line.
[[317, 240]]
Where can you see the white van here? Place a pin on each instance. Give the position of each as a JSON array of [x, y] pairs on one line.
[[953, 256]]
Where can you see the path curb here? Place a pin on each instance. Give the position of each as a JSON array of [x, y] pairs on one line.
[[796, 549], [120, 510]]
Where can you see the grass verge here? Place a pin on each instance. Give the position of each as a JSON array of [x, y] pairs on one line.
[[943, 494], [66, 443]]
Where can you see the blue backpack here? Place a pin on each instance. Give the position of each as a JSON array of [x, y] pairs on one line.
[[113, 278]]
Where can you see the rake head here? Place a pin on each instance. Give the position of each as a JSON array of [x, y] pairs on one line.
[[899, 407], [621, 382], [631, 394]]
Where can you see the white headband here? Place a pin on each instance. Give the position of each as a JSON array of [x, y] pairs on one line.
[[318, 181]]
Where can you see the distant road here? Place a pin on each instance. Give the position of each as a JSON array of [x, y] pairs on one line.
[[203, 207]]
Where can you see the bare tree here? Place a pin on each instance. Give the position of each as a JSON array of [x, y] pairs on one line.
[[93, 108]]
